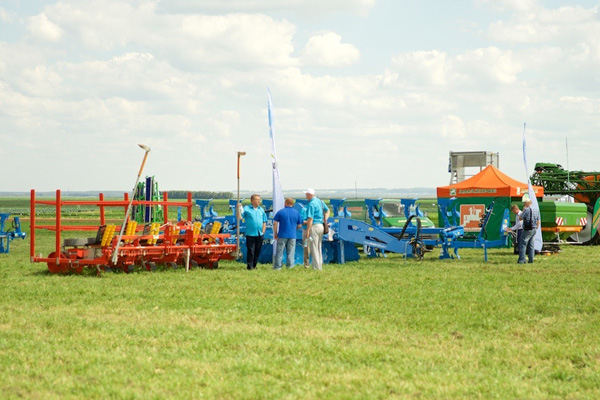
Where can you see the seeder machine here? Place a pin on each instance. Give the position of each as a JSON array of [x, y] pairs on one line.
[[183, 243]]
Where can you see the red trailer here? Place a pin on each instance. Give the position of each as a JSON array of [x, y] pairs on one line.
[[173, 244]]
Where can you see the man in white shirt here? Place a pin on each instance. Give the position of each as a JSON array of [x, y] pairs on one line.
[[517, 227]]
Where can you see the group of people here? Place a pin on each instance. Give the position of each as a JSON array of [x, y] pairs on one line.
[[527, 222], [285, 224]]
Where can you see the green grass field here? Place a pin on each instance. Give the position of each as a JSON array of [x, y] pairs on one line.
[[376, 329]]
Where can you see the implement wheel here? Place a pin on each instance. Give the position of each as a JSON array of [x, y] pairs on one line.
[[55, 268], [149, 265], [210, 265], [78, 269], [418, 249]]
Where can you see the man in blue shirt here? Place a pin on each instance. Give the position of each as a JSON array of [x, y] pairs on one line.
[[256, 223], [316, 214], [531, 222], [285, 223]]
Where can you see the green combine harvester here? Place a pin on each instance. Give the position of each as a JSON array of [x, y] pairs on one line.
[[584, 187]]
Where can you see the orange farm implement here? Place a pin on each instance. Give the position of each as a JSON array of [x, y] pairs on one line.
[[171, 244]]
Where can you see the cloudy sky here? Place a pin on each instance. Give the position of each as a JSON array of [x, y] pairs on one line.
[[367, 92]]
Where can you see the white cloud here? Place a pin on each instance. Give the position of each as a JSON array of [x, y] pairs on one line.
[[422, 67], [44, 29], [192, 41], [241, 39], [561, 25], [301, 7], [521, 6], [488, 65], [328, 50], [580, 104], [453, 127], [5, 15], [194, 84]]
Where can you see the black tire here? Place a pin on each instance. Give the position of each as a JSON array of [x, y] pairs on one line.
[[584, 235]]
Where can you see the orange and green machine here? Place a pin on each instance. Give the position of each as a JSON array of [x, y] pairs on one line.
[[583, 186], [466, 202]]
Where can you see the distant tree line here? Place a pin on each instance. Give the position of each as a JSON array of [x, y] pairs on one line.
[[182, 194]]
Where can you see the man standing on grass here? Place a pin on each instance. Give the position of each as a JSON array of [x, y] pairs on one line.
[[285, 223], [256, 224], [531, 222], [316, 214], [517, 227]]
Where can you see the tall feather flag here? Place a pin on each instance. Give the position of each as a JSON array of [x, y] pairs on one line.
[[534, 203], [277, 191]]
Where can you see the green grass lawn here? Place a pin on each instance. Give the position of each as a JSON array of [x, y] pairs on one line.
[[378, 328]]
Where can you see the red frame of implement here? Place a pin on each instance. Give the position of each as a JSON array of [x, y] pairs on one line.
[[167, 247]]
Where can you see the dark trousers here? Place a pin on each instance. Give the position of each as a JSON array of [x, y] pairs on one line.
[[518, 240], [526, 247], [253, 246]]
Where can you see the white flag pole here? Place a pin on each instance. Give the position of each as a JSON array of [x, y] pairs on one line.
[[534, 203], [277, 191]]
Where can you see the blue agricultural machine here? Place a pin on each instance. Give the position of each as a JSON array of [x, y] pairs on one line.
[[9, 234], [412, 239]]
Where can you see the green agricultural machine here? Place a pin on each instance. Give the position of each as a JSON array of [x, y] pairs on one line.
[[393, 213], [584, 187], [147, 191]]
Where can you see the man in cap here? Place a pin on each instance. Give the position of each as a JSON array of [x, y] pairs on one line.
[[316, 215], [531, 222]]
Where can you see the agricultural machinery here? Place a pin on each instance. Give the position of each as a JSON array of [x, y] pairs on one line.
[[7, 235], [394, 213], [412, 239], [486, 238], [386, 214], [584, 187], [147, 191], [146, 245]]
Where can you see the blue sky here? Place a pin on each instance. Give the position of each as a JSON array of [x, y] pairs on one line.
[[375, 92]]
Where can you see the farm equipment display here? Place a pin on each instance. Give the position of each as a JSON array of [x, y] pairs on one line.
[[412, 239], [171, 244], [11, 233], [584, 187]]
